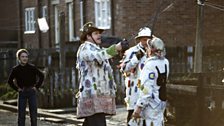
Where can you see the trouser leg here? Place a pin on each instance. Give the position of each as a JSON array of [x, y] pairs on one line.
[[33, 107], [22, 108], [130, 112], [98, 119]]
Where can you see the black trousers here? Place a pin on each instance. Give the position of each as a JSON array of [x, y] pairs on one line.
[[95, 120], [130, 112]]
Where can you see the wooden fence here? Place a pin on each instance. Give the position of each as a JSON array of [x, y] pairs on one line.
[[58, 87]]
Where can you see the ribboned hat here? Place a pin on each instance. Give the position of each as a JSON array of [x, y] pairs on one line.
[[87, 29]]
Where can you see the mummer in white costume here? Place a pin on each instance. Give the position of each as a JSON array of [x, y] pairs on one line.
[[151, 103], [131, 66]]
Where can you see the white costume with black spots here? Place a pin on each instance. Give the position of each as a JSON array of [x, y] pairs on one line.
[[151, 98]]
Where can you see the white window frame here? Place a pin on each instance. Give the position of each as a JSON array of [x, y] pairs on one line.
[[103, 14], [190, 60], [29, 20], [70, 21], [56, 26], [44, 11]]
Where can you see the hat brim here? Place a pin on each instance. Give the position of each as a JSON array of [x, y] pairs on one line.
[[137, 37]]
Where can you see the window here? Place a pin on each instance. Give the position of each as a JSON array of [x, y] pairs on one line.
[[30, 20], [190, 58], [44, 11], [56, 26], [70, 21], [103, 14]]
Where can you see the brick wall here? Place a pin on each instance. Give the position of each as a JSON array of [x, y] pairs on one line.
[[176, 26], [9, 20]]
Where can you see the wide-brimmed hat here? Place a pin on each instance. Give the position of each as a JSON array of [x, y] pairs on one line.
[[88, 28], [144, 32]]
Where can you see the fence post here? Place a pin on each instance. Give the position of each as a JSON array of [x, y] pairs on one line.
[[200, 100], [62, 51]]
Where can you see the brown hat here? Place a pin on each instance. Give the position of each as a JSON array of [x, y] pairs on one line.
[[88, 28]]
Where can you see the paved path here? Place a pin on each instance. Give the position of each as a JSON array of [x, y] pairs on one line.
[[57, 117], [8, 117]]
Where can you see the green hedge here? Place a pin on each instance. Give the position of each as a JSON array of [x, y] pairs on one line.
[[7, 93]]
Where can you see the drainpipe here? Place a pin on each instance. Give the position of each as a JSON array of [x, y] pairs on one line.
[[38, 16], [20, 23], [199, 43], [112, 17], [49, 23], [81, 13]]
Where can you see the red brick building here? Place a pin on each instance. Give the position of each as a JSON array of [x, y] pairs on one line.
[[176, 24], [9, 23]]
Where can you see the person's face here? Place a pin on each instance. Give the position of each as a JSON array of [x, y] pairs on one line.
[[149, 52], [143, 41], [96, 35], [23, 58]]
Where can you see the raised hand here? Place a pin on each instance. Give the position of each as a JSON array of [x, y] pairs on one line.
[[124, 45]]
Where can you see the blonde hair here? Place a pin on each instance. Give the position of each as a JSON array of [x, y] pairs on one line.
[[20, 51]]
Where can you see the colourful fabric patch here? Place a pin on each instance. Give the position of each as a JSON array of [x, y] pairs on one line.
[[136, 89], [132, 54], [152, 76], [81, 89], [153, 96], [142, 87], [129, 91], [83, 64], [88, 93], [94, 86], [94, 79], [141, 66], [139, 83], [87, 83], [129, 83], [145, 91], [105, 68], [93, 56], [85, 73], [111, 84], [132, 83], [92, 48]]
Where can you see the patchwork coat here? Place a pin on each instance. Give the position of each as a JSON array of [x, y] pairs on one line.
[[96, 83]]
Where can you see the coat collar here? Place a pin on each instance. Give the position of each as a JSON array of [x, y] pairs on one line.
[[93, 44]]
